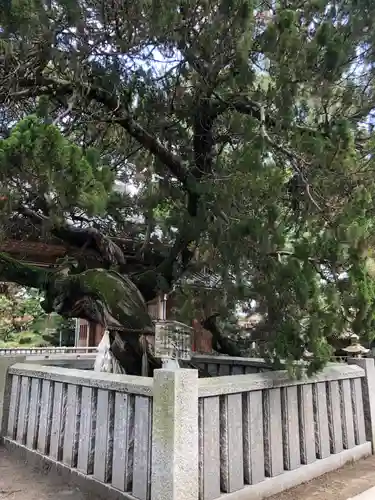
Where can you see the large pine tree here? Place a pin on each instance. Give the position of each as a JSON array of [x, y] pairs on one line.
[[246, 129]]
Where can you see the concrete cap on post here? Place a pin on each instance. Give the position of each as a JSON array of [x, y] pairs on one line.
[[368, 395], [175, 435], [5, 363]]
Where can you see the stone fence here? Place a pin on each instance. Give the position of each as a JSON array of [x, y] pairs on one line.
[[177, 437], [95, 423], [83, 357], [79, 361], [218, 366], [260, 434], [20, 351]]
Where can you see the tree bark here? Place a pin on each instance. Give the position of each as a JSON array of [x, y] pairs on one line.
[[97, 295], [107, 298], [220, 343], [15, 271]]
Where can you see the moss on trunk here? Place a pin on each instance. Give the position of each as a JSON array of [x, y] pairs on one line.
[[107, 298], [27, 275], [98, 295]]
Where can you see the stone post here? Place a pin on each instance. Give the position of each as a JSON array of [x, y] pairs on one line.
[[175, 435], [368, 387], [5, 363]]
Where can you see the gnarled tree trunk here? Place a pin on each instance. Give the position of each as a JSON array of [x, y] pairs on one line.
[[107, 298], [97, 295]]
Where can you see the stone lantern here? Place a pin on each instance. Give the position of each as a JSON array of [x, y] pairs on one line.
[[355, 349], [307, 354], [173, 341]]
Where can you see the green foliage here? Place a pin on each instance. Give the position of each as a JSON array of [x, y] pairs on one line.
[[247, 131], [36, 152], [20, 315], [62, 330], [23, 322]]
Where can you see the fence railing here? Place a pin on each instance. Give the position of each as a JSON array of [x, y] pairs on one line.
[[80, 361], [97, 424], [214, 365], [175, 436], [218, 366], [46, 350], [258, 427]]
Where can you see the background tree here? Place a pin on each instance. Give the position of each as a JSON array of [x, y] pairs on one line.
[[22, 319], [61, 332], [24, 323], [248, 127]]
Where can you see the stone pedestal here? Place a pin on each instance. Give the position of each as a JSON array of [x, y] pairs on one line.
[[175, 435], [368, 395]]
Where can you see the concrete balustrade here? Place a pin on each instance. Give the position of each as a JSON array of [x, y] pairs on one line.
[[28, 351], [177, 437]]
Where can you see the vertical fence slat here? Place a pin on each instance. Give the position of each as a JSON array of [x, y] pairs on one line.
[[289, 403], [45, 418], [238, 370], [71, 422], [322, 445], [231, 443], [359, 416], [299, 422], [273, 445], [104, 436], [224, 369], [209, 435], [250, 369], [123, 423], [307, 430], [57, 420], [213, 369], [253, 437], [142, 447], [32, 426], [347, 415], [85, 460], [13, 407], [24, 410], [334, 417]]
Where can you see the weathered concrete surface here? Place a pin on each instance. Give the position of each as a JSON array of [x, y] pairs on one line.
[[366, 495], [112, 381], [21, 482], [233, 384], [5, 364], [175, 435], [368, 384]]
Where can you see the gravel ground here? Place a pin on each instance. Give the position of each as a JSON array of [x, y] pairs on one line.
[[342, 484], [18, 481]]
